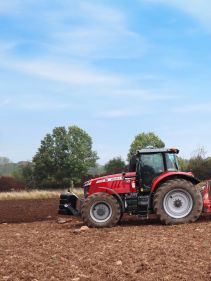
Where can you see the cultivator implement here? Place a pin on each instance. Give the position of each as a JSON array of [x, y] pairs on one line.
[[207, 198]]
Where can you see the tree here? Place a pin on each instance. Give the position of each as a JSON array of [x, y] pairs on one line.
[[143, 140], [183, 164], [200, 167], [115, 165], [198, 164], [25, 174], [64, 156]]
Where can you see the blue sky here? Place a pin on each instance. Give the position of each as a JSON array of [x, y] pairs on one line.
[[114, 68]]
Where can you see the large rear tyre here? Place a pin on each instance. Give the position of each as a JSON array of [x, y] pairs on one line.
[[101, 210], [178, 201]]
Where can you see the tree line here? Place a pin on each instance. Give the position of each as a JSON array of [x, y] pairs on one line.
[[66, 158]]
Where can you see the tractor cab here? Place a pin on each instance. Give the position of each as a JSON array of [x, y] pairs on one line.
[[152, 162]]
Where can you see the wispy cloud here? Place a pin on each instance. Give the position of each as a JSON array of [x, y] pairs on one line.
[[74, 41], [86, 80], [97, 42], [198, 9], [85, 29], [31, 103], [104, 33], [74, 74]]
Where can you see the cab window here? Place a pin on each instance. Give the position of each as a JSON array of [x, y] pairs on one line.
[[171, 162], [151, 165]]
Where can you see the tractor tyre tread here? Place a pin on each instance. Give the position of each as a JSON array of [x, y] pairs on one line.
[[98, 197], [188, 187]]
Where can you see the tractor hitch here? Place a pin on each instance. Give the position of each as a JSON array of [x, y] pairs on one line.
[[70, 204]]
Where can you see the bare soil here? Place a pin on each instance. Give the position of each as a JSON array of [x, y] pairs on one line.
[[28, 210], [57, 248], [134, 250]]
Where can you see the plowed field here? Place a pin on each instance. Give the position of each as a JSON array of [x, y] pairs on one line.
[[134, 250]]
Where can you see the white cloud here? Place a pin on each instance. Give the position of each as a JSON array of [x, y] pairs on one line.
[[199, 9], [74, 74], [87, 80]]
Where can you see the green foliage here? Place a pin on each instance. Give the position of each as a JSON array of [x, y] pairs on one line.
[[183, 164], [200, 167], [198, 164], [114, 166], [143, 140], [64, 156], [26, 174]]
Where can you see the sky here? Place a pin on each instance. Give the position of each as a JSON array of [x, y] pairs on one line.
[[113, 68]]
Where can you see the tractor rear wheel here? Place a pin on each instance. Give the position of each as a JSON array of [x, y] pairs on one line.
[[101, 210], [178, 201]]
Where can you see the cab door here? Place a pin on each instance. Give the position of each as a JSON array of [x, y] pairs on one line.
[[150, 166]]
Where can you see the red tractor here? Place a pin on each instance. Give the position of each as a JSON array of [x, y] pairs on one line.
[[153, 184]]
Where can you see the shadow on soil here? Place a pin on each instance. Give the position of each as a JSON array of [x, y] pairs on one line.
[[136, 221]]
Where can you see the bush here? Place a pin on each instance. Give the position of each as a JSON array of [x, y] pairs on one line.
[[10, 184], [200, 167]]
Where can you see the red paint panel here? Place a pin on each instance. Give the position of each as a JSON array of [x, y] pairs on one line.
[[111, 184]]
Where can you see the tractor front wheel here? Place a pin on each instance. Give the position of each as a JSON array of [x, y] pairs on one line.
[[101, 210], [178, 201]]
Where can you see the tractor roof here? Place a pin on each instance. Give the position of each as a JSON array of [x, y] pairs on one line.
[[151, 150]]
